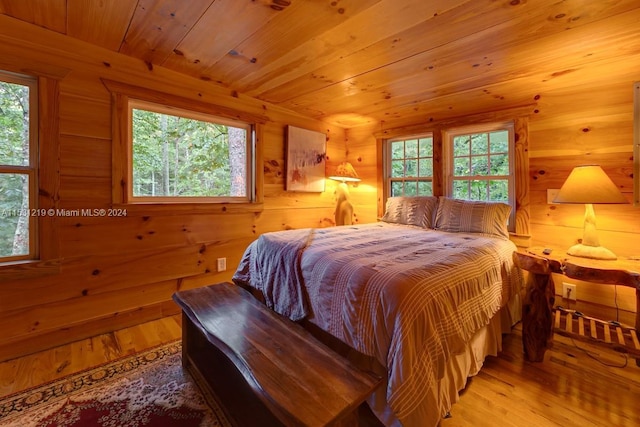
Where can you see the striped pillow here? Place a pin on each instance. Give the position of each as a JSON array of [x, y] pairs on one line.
[[472, 216], [418, 210]]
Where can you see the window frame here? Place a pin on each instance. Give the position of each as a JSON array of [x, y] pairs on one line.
[[48, 258], [121, 95], [520, 116], [31, 170], [448, 137], [389, 180]]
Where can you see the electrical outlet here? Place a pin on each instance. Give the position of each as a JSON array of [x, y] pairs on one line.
[[569, 291], [222, 264], [551, 194]]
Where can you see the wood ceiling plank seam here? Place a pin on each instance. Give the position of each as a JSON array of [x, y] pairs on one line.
[[176, 49], [297, 24], [157, 24], [494, 21], [533, 81], [261, 86], [488, 13], [195, 59], [101, 23], [525, 59]]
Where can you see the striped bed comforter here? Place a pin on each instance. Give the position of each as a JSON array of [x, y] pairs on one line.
[[409, 297]]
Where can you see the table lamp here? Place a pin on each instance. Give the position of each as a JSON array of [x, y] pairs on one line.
[[344, 210], [590, 185]]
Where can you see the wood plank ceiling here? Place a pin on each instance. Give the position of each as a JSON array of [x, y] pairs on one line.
[[351, 62]]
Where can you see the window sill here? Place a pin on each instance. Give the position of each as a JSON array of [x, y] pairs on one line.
[[18, 270]]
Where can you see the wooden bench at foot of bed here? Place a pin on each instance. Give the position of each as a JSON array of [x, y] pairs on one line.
[[265, 369]]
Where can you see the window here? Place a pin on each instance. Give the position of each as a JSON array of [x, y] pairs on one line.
[[180, 155], [168, 150], [479, 162], [410, 166], [18, 167]]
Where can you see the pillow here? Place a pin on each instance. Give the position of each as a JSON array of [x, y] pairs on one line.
[[418, 210], [473, 217]]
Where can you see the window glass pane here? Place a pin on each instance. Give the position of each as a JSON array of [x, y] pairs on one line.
[[479, 143], [14, 214], [397, 188], [14, 124], [411, 168], [478, 190], [499, 141], [499, 190], [413, 159], [479, 165], [177, 156], [425, 188], [410, 188], [411, 149], [461, 145], [461, 166], [460, 189], [397, 150], [397, 168], [425, 147], [500, 164], [426, 167]]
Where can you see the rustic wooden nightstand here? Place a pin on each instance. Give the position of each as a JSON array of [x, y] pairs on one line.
[[541, 319]]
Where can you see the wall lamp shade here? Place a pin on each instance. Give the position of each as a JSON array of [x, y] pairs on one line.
[[589, 185], [345, 173]]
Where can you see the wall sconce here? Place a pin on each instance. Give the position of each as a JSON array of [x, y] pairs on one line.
[[589, 184], [344, 210]]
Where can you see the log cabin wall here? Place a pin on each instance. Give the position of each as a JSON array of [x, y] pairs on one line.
[[581, 124], [119, 271]]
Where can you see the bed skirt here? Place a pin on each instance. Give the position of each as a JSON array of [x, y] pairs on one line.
[[485, 342]]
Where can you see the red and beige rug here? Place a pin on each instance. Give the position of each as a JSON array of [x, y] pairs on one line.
[[147, 389]]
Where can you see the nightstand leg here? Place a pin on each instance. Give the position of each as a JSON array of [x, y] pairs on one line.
[[537, 316]]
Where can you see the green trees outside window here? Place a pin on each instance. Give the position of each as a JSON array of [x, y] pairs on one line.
[[411, 166], [481, 166], [178, 156]]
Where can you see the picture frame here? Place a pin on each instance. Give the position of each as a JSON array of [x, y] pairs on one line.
[[306, 153]]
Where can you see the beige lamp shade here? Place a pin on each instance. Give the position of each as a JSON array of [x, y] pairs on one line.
[[589, 185], [345, 173]]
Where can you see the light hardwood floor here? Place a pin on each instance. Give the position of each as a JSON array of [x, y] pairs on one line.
[[570, 388], [19, 374]]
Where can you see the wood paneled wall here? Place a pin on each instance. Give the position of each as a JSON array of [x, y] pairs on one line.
[[587, 124], [119, 271]]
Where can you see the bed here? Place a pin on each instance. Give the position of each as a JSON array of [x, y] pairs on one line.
[[424, 295]]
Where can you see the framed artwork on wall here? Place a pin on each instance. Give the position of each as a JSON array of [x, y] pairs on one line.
[[306, 158]]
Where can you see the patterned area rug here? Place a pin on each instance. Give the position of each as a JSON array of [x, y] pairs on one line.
[[147, 389]]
